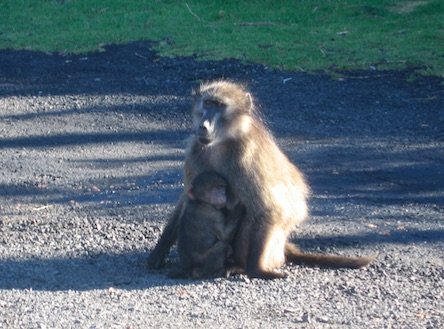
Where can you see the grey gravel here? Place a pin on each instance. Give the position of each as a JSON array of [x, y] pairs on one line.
[[91, 167]]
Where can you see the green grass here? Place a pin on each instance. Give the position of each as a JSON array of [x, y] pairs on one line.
[[296, 35]]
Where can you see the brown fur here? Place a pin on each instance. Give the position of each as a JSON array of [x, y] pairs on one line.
[[231, 140]]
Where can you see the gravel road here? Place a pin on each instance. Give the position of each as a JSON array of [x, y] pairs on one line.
[[91, 150]]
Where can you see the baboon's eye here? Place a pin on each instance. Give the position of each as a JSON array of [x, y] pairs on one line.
[[212, 103], [198, 112]]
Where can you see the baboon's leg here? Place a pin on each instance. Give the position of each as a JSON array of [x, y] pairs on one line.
[[212, 262], [261, 259]]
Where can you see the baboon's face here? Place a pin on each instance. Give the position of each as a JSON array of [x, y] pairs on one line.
[[215, 195], [209, 120], [221, 111], [209, 187]]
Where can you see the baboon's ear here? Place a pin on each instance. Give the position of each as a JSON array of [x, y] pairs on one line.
[[191, 194], [195, 93]]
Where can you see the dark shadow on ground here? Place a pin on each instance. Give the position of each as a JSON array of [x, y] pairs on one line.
[[92, 138], [411, 183], [132, 68], [162, 187], [101, 271], [402, 236], [128, 271], [158, 106]]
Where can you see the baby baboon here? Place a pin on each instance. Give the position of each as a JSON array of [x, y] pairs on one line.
[[207, 227], [229, 138]]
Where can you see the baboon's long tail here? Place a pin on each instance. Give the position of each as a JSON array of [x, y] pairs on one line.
[[294, 255]]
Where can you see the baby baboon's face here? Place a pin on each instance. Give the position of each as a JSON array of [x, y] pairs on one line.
[[209, 187]]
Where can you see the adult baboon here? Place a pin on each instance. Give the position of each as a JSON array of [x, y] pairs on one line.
[[206, 228], [229, 138]]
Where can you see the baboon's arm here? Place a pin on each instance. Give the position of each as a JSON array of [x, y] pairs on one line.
[[156, 258], [234, 217]]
